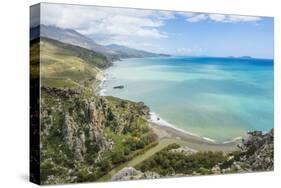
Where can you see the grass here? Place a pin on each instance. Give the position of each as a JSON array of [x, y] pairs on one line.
[[64, 65], [59, 83]]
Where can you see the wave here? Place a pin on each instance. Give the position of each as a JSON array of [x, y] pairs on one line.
[[233, 140], [101, 86], [154, 118]]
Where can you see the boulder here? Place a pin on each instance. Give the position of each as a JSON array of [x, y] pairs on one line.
[[130, 173]]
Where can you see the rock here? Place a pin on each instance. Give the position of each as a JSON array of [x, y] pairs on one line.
[[69, 129], [151, 175], [78, 149], [216, 169], [257, 152], [95, 125], [143, 109], [127, 173], [75, 143], [184, 149], [118, 87], [65, 93], [130, 173]]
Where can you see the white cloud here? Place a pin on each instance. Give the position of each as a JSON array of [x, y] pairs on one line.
[[197, 18], [125, 26], [217, 17], [243, 18], [222, 18], [106, 21]]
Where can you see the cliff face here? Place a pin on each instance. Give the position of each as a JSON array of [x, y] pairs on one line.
[[256, 154], [130, 173], [83, 137]]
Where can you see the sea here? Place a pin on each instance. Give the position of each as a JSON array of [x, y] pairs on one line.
[[216, 98]]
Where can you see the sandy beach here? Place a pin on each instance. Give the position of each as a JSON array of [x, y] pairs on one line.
[[194, 142]]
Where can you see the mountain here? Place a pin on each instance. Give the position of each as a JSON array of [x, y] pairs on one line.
[[126, 52], [70, 36]]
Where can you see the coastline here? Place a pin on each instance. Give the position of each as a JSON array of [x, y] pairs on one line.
[[101, 78], [194, 142], [157, 120], [165, 130]]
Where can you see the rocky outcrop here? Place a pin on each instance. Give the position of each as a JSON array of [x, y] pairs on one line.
[[256, 154], [74, 140], [95, 124], [258, 151], [143, 109], [130, 173], [59, 92], [69, 131]]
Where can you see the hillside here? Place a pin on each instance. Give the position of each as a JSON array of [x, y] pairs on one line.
[[65, 65], [83, 136], [70, 36]]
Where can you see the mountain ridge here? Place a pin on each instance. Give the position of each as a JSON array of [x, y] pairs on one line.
[[70, 36]]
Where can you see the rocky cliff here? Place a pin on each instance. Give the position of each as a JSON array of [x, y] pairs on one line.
[[83, 137], [256, 153], [130, 173]]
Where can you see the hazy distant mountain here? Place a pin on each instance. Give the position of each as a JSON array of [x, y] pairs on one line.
[[126, 52], [72, 37]]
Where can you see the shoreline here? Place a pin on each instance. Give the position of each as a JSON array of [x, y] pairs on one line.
[[164, 124], [101, 78], [194, 142], [163, 128]]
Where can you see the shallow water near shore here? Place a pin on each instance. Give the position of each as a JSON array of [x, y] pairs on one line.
[[217, 98]]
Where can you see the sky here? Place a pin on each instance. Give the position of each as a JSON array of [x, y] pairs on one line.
[[171, 32]]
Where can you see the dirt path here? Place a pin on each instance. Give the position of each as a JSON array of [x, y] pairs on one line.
[[169, 136]]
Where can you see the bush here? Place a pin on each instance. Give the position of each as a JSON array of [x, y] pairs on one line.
[[118, 157], [167, 162]]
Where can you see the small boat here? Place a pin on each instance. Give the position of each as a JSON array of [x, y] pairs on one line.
[[118, 87]]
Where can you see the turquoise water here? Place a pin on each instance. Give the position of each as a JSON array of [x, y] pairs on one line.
[[218, 98]]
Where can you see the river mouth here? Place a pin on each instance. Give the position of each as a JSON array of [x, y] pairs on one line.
[[217, 99]]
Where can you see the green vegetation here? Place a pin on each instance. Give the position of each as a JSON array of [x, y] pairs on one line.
[[83, 136], [168, 162], [65, 65], [57, 159], [88, 56]]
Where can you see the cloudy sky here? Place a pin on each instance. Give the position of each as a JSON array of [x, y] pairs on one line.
[[180, 33]]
